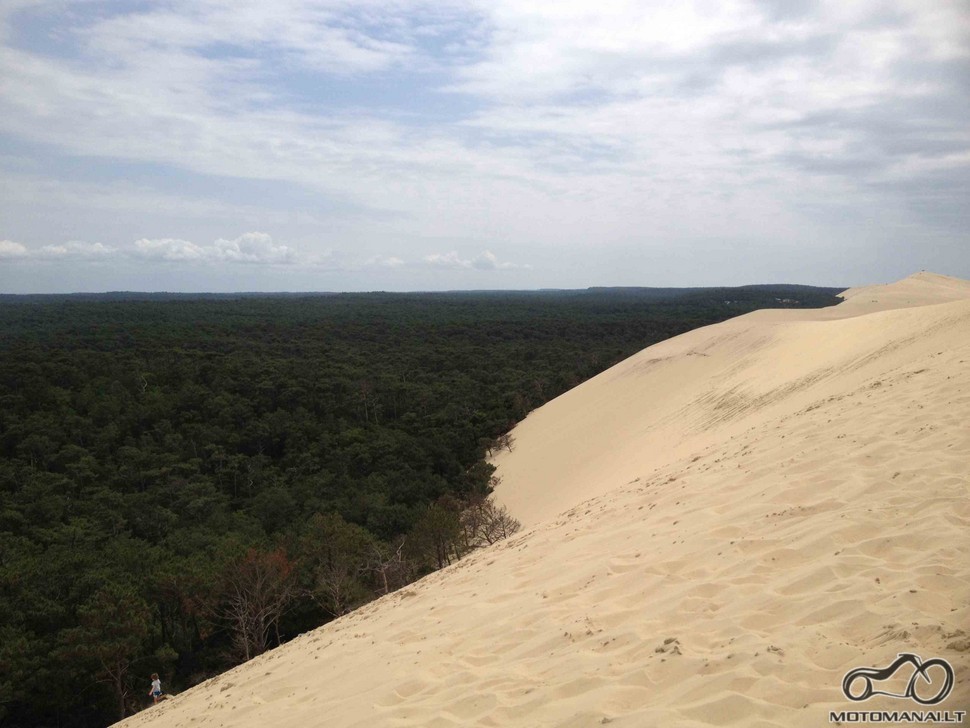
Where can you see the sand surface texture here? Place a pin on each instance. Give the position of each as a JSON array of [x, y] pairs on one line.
[[717, 529]]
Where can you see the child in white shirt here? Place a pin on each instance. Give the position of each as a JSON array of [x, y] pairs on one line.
[[156, 692]]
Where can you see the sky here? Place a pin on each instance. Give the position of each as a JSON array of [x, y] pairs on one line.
[[332, 145]]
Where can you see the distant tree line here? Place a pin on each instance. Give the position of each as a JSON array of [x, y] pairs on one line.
[[187, 482]]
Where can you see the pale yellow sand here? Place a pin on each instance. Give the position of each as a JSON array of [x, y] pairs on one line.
[[717, 529]]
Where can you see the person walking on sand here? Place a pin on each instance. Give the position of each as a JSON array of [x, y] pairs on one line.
[[156, 692]]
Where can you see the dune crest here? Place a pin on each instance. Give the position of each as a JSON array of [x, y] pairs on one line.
[[687, 393], [718, 528], [920, 289]]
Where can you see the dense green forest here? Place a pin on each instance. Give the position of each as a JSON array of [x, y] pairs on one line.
[[186, 481]]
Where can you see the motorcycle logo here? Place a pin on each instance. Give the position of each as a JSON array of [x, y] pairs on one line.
[[920, 686]]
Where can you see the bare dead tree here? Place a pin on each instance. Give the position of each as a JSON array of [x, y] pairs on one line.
[[505, 441], [483, 522], [258, 589], [390, 566], [500, 524]]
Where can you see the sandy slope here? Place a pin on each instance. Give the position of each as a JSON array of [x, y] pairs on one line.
[[719, 528]]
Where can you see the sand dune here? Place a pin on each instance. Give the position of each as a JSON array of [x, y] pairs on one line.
[[717, 529]]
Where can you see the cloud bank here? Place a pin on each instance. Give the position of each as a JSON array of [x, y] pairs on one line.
[[254, 247], [248, 248]]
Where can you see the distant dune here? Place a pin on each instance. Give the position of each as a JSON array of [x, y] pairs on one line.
[[717, 529]]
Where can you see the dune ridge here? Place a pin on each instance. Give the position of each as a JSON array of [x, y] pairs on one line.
[[717, 529]]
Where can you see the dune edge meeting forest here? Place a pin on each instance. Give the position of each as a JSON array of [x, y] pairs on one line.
[[816, 521]]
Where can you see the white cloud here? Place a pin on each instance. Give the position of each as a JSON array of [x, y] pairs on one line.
[[71, 250], [447, 260], [254, 247], [10, 249], [483, 261], [575, 45], [77, 249], [169, 249]]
